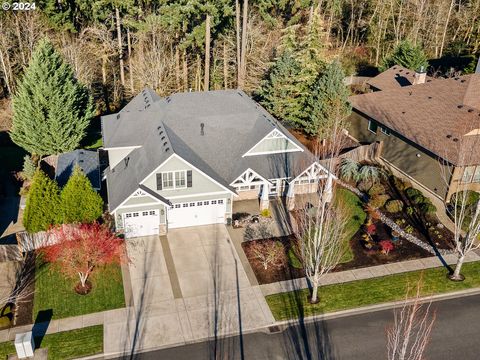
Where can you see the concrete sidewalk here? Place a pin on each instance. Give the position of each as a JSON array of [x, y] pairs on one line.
[[365, 273]]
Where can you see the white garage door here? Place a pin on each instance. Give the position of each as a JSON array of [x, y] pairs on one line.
[[196, 213], [141, 223]]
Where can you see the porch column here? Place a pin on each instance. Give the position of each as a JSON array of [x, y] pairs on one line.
[[329, 188], [291, 196], [264, 198]]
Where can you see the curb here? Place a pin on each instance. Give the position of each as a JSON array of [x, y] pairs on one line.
[[328, 316], [379, 307]]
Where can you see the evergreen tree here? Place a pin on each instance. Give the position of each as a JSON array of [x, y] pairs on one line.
[[80, 203], [279, 91], [329, 101], [51, 109], [29, 168], [43, 204], [407, 55]]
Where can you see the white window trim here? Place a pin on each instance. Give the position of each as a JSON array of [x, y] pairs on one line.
[[314, 171], [385, 130], [174, 187], [370, 122], [274, 134]]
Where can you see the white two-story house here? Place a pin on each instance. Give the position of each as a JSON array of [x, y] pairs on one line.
[[183, 160]]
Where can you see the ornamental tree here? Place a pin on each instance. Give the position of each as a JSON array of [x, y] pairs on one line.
[[43, 204], [79, 249], [51, 109], [80, 202]]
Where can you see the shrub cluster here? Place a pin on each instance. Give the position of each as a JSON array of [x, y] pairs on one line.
[[376, 189], [394, 206], [378, 201]]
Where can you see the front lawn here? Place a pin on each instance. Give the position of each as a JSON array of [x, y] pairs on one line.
[[54, 292], [368, 292], [356, 217], [66, 345]]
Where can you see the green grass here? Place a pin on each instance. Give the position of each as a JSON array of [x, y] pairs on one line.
[[356, 217], [54, 292], [66, 345], [368, 292]]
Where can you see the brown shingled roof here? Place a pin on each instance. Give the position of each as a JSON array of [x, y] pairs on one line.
[[394, 78], [434, 115]]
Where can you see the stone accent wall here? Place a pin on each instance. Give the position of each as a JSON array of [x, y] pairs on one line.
[[247, 195]]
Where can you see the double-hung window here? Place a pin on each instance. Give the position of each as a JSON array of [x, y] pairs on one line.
[[372, 126], [180, 179], [174, 180], [167, 180]]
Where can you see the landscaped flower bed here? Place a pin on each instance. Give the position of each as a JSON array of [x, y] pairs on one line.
[[374, 243]]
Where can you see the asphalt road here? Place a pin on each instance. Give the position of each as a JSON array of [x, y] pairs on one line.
[[456, 335]]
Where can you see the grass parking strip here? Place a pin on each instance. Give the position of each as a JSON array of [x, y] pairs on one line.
[[337, 297]]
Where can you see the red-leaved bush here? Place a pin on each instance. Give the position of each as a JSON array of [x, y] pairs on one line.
[[387, 246], [371, 229], [79, 248]]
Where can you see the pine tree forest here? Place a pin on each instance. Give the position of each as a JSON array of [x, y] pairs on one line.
[[116, 48]]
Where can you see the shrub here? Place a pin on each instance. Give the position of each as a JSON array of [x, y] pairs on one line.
[[348, 169], [409, 229], [293, 259], [428, 208], [401, 184], [469, 197], [378, 201], [371, 229], [412, 193], [266, 213], [394, 206], [410, 210], [365, 185], [376, 189], [29, 168], [387, 246], [419, 199]]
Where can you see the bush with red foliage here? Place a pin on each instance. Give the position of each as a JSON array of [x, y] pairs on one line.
[[387, 246], [78, 249], [371, 229]]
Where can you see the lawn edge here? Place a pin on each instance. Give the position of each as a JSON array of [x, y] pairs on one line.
[[378, 307]]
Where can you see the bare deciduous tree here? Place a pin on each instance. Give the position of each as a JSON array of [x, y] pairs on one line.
[[267, 253], [462, 209], [408, 336]]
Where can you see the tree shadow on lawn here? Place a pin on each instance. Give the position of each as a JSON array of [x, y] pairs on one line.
[[309, 340]]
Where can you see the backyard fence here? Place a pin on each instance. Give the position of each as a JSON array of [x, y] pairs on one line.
[[370, 153], [29, 242], [355, 80]]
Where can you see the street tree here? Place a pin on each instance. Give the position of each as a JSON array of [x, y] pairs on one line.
[[81, 248], [51, 109], [408, 336], [43, 204], [80, 203]]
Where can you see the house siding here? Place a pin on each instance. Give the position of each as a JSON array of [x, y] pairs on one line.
[[200, 183], [402, 153], [117, 155], [457, 185]]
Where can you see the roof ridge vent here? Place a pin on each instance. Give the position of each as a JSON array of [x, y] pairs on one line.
[[118, 116]]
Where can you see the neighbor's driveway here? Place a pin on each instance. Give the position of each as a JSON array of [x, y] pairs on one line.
[[186, 287]]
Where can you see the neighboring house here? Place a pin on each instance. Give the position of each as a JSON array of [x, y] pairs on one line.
[[183, 160], [429, 128], [60, 167]]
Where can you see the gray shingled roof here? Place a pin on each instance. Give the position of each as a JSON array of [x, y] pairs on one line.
[[87, 160], [233, 123]]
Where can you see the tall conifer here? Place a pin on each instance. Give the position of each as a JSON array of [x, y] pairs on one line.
[[51, 109]]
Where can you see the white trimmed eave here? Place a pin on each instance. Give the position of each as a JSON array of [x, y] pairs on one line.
[[275, 133], [194, 167], [245, 180], [137, 193], [320, 169]]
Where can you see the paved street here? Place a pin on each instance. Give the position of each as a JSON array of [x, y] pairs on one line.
[[360, 337]]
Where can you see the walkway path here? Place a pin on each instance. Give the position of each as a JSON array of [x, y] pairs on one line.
[[365, 273]]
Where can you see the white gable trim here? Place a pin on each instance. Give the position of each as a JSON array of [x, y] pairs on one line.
[[194, 167], [122, 147], [137, 193], [274, 134], [314, 171], [247, 177]]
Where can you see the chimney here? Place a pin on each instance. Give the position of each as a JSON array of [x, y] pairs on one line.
[[420, 76], [202, 127]]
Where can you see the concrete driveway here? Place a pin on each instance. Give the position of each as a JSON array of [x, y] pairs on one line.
[[186, 287]]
